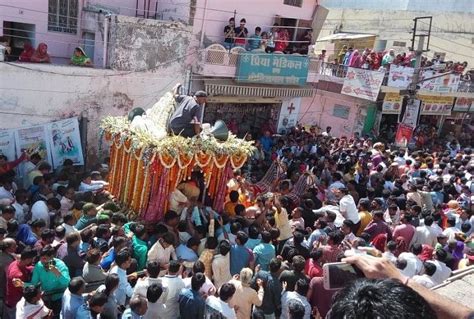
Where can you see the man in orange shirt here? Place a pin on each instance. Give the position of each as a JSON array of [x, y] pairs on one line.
[[229, 207]]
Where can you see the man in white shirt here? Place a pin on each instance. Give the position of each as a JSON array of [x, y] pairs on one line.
[[67, 201], [348, 207], [425, 234], [28, 167], [163, 251], [153, 271], [220, 306], [451, 230], [41, 209], [123, 261], [31, 306], [175, 283], [6, 191], [442, 271], [414, 264], [426, 279], [301, 289], [155, 295]]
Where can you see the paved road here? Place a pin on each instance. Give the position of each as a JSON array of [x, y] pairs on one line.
[[460, 290]]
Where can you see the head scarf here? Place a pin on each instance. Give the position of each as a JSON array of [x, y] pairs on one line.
[[27, 52], [426, 253], [380, 241], [41, 53], [79, 60], [401, 246]]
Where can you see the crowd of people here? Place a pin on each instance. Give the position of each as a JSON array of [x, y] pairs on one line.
[[277, 39], [405, 218], [40, 54], [372, 60]]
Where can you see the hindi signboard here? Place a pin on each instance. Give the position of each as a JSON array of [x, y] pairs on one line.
[[443, 84], [279, 69], [392, 103], [65, 141], [464, 104], [362, 83], [400, 76], [436, 105]]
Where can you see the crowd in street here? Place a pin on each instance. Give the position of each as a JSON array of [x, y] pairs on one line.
[[405, 218]]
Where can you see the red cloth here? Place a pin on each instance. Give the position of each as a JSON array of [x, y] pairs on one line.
[[14, 270], [319, 297], [380, 241], [313, 269], [426, 253], [11, 165], [401, 246], [28, 51]]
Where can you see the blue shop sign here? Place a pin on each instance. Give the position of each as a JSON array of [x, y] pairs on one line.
[[282, 69]]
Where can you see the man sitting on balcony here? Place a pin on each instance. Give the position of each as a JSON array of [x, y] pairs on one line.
[[254, 41], [229, 33]]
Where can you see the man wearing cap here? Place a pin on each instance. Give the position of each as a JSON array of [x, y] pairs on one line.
[[186, 119]]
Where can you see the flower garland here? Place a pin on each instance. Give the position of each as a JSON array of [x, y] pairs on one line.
[[163, 161], [237, 161]]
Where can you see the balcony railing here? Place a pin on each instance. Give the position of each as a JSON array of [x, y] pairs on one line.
[[216, 60]]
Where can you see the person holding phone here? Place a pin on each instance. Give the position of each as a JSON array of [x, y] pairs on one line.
[[386, 291]]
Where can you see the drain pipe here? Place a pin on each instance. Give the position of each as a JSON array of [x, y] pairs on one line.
[[106, 39], [201, 42]]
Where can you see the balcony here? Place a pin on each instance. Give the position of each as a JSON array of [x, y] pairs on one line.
[[217, 61]]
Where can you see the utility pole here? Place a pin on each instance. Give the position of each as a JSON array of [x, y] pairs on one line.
[[413, 105]]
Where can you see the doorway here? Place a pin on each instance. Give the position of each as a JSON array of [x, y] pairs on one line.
[[18, 33]]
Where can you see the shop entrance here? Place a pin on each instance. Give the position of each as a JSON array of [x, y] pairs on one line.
[[243, 118], [388, 126]]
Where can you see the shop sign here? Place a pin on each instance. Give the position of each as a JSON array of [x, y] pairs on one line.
[[444, 84], [289, 112], [436, 105], [392, 103], [464, 104], [280, 69], [400, 76], [362, 83]]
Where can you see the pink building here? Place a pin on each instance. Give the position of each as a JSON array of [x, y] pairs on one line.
[[245, 105]]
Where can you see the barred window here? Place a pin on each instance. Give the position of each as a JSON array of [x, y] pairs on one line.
[[294, 3], [63, 15]]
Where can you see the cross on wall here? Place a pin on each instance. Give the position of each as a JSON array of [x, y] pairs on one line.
[[291, 108]]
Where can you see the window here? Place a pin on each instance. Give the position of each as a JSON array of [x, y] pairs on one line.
[[294, 3], [399, 44], [62, 15]]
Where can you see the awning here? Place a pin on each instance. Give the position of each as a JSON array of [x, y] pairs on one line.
[[230, 88], [345, 36]]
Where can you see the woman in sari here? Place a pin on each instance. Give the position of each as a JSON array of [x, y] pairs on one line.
[[79, 58], [27, 53], [41, 54]]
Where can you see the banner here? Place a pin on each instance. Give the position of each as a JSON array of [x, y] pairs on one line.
[[392, 103], [410, 117], [400, 76], [7, 144], [436, 105], [362, 83], [444, 84], [464, 104], [403, 136], [289, 114], [65, 141], [34, 140]]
